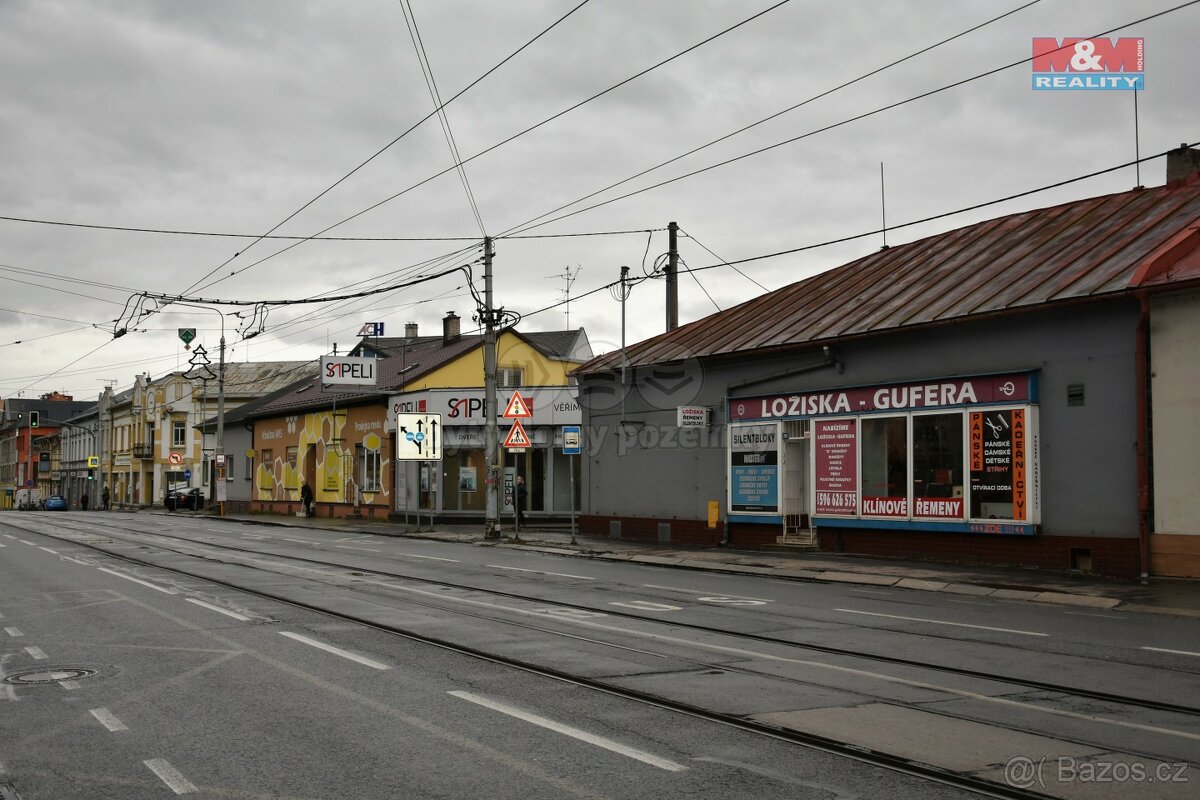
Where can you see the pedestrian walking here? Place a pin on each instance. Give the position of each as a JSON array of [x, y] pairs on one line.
[[83, 502], [104, 499]]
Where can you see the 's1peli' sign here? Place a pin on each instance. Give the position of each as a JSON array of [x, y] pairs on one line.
[[348, 369], [1089, 64]]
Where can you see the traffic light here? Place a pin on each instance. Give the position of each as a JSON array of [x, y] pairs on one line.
[[34, 420], [91, 474]]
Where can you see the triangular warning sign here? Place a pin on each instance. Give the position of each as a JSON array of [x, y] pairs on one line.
[[517, 407], [517, 439]]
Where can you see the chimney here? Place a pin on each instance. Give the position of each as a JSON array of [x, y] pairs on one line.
[[1182, 164], [410, 330], [450, 328]]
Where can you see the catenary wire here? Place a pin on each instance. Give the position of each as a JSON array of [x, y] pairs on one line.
[[379, 152], [832, 126], [528, 225], [723, 261], [414, 32], [501, 143]]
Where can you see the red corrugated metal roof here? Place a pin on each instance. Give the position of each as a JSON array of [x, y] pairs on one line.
[[1082, 249]]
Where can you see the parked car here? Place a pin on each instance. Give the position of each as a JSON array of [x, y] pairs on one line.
[[56, 502], [191, 499]]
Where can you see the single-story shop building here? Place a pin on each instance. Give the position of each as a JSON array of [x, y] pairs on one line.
[[986, 395]]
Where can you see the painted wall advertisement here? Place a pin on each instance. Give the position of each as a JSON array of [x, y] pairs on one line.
[[835, 448], [754, 469]]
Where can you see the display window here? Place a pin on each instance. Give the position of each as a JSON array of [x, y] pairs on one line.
[[885, 466]]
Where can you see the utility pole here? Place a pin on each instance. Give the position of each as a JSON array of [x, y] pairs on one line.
[[672, 276], [491, 430]]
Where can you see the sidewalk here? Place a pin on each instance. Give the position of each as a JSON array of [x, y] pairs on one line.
[[1161, 595]]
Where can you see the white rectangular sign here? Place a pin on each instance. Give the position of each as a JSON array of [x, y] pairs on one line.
[[693, 416], [347, 369], [418, 437]]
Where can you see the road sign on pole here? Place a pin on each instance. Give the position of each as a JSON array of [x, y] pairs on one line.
[[517, 407], [517, 438], [419, 437], [572, 440]]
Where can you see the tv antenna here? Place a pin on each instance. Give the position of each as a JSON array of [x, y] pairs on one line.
[[569, 277]]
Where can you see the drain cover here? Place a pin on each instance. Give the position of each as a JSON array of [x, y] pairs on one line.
[[49, 675]]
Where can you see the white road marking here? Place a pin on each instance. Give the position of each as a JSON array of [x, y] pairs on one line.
[[431, 558], [23, 541], [1113, 617], [696, 591], [10, 536], [218, 609], [540, 572], [573, 732], [350, 547], [1175, 652], [48, 550], [941, 622], [69, 685], [136, 580], [3, 545], [36, 652], [335, 650], [170, 776], [14, 632], [586, 623], [297, 541], [646, 605], [108, 720], [967, 602]]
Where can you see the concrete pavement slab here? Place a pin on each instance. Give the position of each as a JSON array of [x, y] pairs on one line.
[[924, 586], [968, 588], [858, 577], [1014, 594], [1085, 600]]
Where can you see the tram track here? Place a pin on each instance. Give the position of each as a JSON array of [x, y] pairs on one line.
[[801, 738]]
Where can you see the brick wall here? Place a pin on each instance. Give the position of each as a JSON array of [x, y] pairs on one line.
[[1115, 557]]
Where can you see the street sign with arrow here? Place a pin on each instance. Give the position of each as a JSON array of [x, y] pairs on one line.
[[418, 437]]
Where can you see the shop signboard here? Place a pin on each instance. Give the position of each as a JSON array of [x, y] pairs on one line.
[[348, 370], [835, 453], [999, 474], [754, 469], [942, 393]]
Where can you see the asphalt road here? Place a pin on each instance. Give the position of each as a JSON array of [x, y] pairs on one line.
[[201, 687]]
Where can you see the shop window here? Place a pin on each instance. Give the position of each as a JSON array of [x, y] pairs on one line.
[[885, 466], [937, 459], [268, 478], [178, 434], [998, 468], [291, 476]]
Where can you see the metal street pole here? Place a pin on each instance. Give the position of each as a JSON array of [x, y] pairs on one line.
[[491, 430], [218, 473]]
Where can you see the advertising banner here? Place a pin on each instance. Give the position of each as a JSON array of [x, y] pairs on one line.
[[835, 450], [754, 469]]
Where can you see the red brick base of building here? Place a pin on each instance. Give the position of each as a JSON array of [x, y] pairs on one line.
[[1100, 556], [290, 508]]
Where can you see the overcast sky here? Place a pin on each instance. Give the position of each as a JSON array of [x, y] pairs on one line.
[[229, 116]]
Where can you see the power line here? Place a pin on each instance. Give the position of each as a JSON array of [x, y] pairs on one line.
[[827, 128], [372, 158], [529, 226], [876, 232], [723, 261]]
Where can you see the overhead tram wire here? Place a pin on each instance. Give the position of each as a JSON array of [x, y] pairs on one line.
[[506, 141], [414, 33], [834, 125], [378, 153], [876, 232], [529, 226]]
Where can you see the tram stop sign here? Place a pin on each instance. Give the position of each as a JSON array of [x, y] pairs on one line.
[[187, 335]]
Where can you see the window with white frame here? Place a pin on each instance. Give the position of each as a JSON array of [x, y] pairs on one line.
[[509, 377], [178, 434], [370, 470]]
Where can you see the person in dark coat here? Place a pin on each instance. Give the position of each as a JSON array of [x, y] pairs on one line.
[[83, 502], [104, 498], [306, 499], [521, 493]]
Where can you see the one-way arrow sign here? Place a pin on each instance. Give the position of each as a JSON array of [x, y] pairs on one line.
[[418, 437]]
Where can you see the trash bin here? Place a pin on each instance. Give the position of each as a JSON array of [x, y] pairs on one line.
[[169, 502]]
